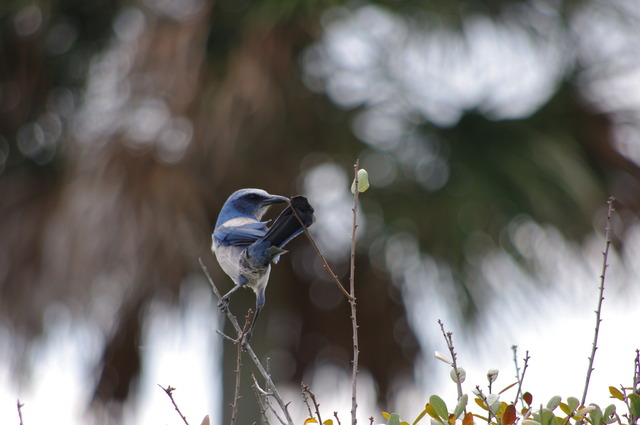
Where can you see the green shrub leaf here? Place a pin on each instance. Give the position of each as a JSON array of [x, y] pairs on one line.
[[615, 393], [635, 404], [439, 406], [565, 408], [609, 414], [573, 403], [596, 415], [547, 417], [394, 419], [554, 402], [462, 403]]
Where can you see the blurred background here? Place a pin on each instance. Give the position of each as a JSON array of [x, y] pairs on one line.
[[493, 133]]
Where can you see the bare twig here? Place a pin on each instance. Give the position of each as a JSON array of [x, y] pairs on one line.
[[335, 415], [169, 390], [305, 398], [273, 391], [324, 260], [486, 403], [514, 348], [448, 336], [636, 372], [260, 393], [19, 406], [236, 396], [521, 379], [352, 300], [605, 255], [312, 396]]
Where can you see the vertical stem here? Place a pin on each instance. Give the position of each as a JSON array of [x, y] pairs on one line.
[[352, 301], [605, 255]]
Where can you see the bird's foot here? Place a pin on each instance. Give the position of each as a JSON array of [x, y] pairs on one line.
[[223, 304], [245, 341]]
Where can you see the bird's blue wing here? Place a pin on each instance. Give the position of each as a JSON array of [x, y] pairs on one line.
[[242, 235]]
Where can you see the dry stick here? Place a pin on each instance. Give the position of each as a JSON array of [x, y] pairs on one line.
[[521, 380], [273, 391], [312, 396], [259, 392], [324, 260], [169, 390], [605, 255], [514, 348], [349, 295], [448, 336], [352, 300], [19, 405], [236, 395], [636, 372]]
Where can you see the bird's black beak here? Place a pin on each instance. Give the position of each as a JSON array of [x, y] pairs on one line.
[[275, 199]]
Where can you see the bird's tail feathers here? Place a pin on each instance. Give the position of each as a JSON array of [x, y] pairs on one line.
[[287, 226]]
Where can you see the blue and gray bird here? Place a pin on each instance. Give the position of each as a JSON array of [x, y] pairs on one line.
[[245, 246]]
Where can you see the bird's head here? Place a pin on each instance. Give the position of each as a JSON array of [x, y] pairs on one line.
[[251, 203]]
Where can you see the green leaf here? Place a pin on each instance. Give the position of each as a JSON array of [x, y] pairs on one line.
[[547, 417], [573, 403], [432, 412], [439, 406], [596, 415], [565, 408], [363, 181], [609, 414], [530, 422], [394, 419], [554, 402], [462, 403], [615, 393], [635, 405]]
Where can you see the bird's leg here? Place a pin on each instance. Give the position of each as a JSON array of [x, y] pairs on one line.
[[260, 299], [223, 304]]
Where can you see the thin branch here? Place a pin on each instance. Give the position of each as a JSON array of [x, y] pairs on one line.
[[514, 348], [521, 379], [252, 355], [306, 399], [605, 255], [324, 260], [636, 373], [448, 337], [236, 395], [335, 415], [19, 406], [352, 300], [259, 392], [169, 390], [312, 396], [486, 403]]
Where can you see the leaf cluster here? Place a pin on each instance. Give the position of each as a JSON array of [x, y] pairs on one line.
[[556, 411]]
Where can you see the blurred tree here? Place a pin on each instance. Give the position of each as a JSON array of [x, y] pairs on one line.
[[125, 126]]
